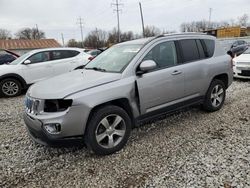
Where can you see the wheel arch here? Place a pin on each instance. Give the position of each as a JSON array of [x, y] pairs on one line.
[[121, 102], [15, 76], [223, 77]]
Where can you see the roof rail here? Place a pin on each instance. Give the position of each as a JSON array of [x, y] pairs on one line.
[[183, 33]]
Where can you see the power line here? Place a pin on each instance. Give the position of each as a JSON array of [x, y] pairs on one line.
[[37, 30], [142, 20], [62, 39], [118, 10], [209, 20], [80, 22]]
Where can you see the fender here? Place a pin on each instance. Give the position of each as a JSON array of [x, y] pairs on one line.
[[16, 76]]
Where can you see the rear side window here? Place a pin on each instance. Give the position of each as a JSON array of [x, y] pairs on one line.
[[63, 54], [209, 46], [189, 50]]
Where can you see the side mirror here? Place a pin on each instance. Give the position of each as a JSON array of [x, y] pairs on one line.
[[231, 53], [26, 62], [146, 66]]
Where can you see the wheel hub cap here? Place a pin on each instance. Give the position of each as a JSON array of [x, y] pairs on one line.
[[110, 131], [10, 88]]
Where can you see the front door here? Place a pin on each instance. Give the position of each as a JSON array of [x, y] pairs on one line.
[[163, 86], [40, 67]]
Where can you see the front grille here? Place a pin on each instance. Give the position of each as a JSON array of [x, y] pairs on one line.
[[243, 63], [244, 73]]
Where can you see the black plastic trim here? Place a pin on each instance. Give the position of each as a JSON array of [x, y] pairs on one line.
[[170, 109]]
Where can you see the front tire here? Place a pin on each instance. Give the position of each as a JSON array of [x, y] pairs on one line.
[[10, 87], [215, 96], [108, 130]]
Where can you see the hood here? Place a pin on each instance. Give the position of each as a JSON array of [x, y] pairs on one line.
[[60, 86], [6, 69], [243, 58]]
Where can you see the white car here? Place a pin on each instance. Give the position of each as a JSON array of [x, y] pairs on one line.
[[241, 66], [38, 65]]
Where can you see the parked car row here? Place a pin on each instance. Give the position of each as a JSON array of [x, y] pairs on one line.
[[126, 84], [38, 65]]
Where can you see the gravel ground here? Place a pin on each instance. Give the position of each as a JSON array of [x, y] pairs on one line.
[[188, 149]]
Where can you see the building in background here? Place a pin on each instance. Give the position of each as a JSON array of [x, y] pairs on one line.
[[20, 47], [229, 32]]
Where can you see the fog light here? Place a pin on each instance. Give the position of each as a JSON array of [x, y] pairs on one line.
[[53, 128]]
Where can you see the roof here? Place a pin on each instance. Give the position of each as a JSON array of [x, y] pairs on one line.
[[15, 44], [144, 41]]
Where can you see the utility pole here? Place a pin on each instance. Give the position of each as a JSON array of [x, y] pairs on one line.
[[142, 21], [62, 39], [209, 20], [118, 10], [80, 22], [38, 34]]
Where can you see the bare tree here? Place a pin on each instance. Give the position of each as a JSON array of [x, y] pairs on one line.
[[30, 33], [72, 43], [96, 39], [126, 36], [5, 34], [112, 37], [151, 31], [243, 20]]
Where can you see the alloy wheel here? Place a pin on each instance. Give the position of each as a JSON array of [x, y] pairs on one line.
[[217, 96], [110, 131], [10, 88]]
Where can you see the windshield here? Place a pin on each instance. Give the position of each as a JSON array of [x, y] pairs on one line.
[[115, 59], [20, 59], [247, 51]]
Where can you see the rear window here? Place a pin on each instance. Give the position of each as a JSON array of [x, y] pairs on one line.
[[189, 50], [209, 46]]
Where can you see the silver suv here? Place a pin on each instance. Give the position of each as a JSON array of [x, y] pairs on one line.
[[126, 84]]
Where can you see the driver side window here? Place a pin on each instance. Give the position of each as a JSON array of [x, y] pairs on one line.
[[39, 57], [163, 54]]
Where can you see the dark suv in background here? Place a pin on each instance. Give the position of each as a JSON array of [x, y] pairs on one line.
[[7, 56], [238, 47]]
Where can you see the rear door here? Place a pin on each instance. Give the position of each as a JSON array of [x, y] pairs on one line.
[[164, 85], [64, 61], [195, 59]]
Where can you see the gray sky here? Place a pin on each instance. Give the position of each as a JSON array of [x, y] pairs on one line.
[[60, 16]]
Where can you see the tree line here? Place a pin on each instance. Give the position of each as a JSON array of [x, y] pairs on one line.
[[25, 33], [202, 25], [98, 38]]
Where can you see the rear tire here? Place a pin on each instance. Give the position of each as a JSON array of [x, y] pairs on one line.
[[108, 130], [215, 96], [10, 87]]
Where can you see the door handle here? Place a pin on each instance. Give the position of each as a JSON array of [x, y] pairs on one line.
[[176, 72]]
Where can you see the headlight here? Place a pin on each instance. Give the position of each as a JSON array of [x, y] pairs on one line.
[[33, 106], [57, 105]]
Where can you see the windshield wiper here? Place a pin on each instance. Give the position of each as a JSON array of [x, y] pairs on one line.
[[97, 69]]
